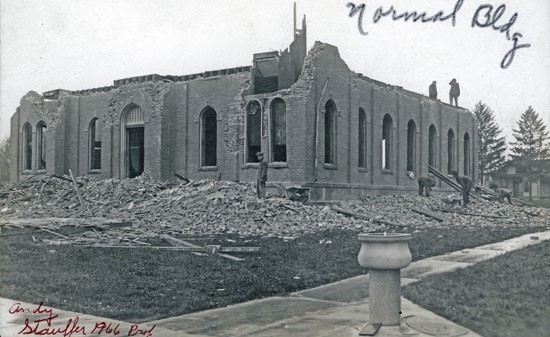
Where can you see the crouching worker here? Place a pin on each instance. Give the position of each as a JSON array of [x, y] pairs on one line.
[[501, 193], [425, 185], [465, 184]]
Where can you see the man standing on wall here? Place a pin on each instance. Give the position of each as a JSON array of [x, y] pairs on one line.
[[454, 92], [262, 175], [433, 90], [465, 184]]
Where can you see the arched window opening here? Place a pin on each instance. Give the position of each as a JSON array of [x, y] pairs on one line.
[[387, 140], [411, 146], [253, 131], [133, 141], [209, 137], [41, 146], [330, 133], [278, 130], [362, 139], [432, 137], [27, 147], [467, 154], [450, 151], [95, 145]]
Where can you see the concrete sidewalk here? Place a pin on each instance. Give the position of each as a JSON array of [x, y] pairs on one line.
[[338, 309]]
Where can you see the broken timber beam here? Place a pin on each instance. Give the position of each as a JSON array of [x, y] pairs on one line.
[[181, 178], [448, 181], [429, 214], [365, 217]]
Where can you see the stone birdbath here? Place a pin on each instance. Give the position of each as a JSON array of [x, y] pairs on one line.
[[385, 255]]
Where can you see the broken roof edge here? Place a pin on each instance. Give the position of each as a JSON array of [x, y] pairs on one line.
[[50, 94], [413, 94]]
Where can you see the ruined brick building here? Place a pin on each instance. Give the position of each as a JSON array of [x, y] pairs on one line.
[[320, 125]]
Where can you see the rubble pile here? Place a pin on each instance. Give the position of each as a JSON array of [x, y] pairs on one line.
[[221, 207], [194, 208]]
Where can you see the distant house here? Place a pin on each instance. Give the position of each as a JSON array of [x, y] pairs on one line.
[[319, 124], [526, 179]]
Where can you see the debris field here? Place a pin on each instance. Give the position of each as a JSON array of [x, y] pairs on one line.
[[139, 212]]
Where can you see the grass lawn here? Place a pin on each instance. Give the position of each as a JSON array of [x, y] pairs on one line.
[[142, 285], [507, 296]]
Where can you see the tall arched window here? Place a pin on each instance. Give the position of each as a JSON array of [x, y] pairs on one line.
[[27, 147], [387, 140], [411, 146], [94, 145], [278, 130], [362, 139], [132, 141], [41, 146], [253, 131], [432, 137], [450, 150], [330, 133], [467, 154], [209, 137]]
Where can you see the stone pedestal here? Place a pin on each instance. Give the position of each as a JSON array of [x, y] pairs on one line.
[[385, 256]]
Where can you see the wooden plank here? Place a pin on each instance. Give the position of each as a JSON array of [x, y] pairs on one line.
[[429, 214], [77, 191], [52, 232]]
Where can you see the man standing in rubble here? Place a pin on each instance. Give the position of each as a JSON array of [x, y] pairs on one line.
[[262, 176], [425, 185], [465, 184]]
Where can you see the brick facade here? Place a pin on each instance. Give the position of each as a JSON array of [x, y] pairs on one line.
[[173, 111]]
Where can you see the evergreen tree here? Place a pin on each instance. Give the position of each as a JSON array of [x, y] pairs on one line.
[[532, 146], [492, 147], [532, 138]]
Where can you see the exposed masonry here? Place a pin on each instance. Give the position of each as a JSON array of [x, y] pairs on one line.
[[210, 125]]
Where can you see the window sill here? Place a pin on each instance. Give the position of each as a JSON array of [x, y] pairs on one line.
[[42, 171], [94, 171], [386, 171], [208, 168], [277, 164], [27, 172], [250, 165], [362, 169], [330, 166]]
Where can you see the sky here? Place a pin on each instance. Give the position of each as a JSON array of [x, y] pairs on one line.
[[74, 45]]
